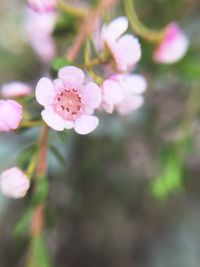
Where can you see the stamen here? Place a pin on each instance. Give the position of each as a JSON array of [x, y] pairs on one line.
[[68, 104]]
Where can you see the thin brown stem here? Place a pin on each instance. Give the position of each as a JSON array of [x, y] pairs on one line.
[[88, 26], [38, 216]]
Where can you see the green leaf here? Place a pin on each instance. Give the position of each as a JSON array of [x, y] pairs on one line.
[[170, 180], [60, 62], [23, 223], [25, 156]]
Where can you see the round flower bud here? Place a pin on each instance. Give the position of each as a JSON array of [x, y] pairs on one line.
[[15, 89], [14, 183], [11, 115]]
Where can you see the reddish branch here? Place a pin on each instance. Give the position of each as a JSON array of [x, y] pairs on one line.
[[38, 216], [88, 26]]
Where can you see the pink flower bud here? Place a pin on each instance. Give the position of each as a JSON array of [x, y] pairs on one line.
[[69, 102], [42, 5], [11, 115], [39, 28], [15, 89], [173, 47], [14, 183]]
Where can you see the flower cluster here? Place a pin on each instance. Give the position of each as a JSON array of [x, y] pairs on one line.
[[70, 100], [69, 103]]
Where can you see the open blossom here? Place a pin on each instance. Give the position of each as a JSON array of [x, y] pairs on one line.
[[39, 28], [173, 47], [135, 85], [15, 89], [14, 183], [125, 49], [68, 103], [42, 5], [123, 93], [11, 115]]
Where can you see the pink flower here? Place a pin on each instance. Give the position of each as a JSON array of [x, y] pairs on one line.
[[68, 103], [173, 47], [42, 5], [11, 115], [39, 28], [15, 89], [125, 49], [134, 85], [14, 183], [123, 92]]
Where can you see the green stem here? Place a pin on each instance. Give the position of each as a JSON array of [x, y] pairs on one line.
[[103, 58], [32, 165], [27, 124], [137, 26], [72, 10], [88, 63], [39, 166]]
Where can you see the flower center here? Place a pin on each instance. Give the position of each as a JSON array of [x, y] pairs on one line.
[[68, 104]]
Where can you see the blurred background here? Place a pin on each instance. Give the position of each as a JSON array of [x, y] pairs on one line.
[[127, 195]]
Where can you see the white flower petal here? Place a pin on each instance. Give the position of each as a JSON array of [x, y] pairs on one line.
[[86, 124], [130, 49], [69, 124], [91, 95], [53, 120], [113, 92], [135, 83], [44, 92], [117, 27], [130, 104], [72, 77]]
